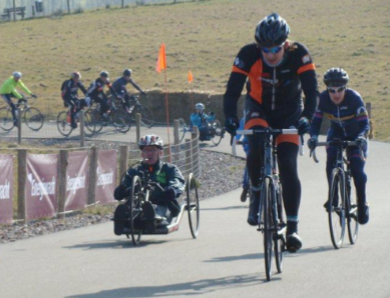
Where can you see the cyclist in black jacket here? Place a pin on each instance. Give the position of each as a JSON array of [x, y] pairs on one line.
[[276, 71], [120, 83], [69, 93]]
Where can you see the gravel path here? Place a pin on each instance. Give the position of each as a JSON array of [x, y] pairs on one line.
[[220, 173]]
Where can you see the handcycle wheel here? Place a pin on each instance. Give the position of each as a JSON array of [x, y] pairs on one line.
[[352, 214], [192, 207], [266, 198], [280, 218], [6, 120], [147, 116], [63, 124], [89, 122], [336, 208], [135, 209], [121, 120], [218, 132], [33, 118], [182, 129]]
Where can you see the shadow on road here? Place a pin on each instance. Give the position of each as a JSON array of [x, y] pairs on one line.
[[126, 243], [225, 208], [199, 287]]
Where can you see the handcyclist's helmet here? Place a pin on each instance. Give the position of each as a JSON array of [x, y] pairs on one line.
[[104, 74], [199, 106], [150, 140], [17, 74], [75, 75], [271, 31], [336, 77], [127, 72]]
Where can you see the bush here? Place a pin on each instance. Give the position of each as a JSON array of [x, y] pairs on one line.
[[79, 10], [58, 13]]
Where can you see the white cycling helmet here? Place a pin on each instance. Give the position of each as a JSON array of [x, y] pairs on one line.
[[199, 106], [150, 140], [17, 74]]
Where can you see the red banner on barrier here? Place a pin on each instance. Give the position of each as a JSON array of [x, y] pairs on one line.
[[76, 181], [106, 176], [6, 188], [41, 199]]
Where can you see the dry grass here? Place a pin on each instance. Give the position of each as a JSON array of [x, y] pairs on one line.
[[203, 36]]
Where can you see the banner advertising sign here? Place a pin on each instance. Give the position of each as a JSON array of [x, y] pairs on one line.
[[106, 176], [41, 198], [6, 188], [76, 181]]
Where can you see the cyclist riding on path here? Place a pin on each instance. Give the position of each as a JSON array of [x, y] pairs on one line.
[[119, 85], [96, 91], [69, 93], [345, 109], [277, 70], [7, 91]]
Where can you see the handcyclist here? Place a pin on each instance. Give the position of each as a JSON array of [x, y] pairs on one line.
[[69, 93], [7, 91], [96, 92], [119, 86], [201, 119], [349, 121], [278, 70], [163, 203]]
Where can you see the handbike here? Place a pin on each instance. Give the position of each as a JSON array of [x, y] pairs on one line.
[[342, 203]]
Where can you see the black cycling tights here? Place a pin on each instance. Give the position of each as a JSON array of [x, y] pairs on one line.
[[288, 170]]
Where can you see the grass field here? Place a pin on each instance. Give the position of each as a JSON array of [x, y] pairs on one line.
[[203, 36]]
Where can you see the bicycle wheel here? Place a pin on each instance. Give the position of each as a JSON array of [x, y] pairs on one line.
[[147, 118], [89, 122], [336, 209], [135, 209], [193, 205], [63, 124], [182, 129], [218, 132], [280, 226], [121, 120], [351, 214], [6, 120], [266, 198], [33, 118]]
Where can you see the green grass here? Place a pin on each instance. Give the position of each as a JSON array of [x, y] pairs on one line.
[[203, 36]]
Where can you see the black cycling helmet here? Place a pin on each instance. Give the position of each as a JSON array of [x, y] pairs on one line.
[[336, 77], [104, 74], [75, 75], [271, 31], [127, 72]]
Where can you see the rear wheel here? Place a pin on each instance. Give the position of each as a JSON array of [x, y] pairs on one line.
[[63, 124], [218, 132], [121, 120], [352, 214], [33, 118], [6, 120], [266, 198], [193, 205], [135, 210], [336, 209]]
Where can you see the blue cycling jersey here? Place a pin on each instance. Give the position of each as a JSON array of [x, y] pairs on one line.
[[348, 120]]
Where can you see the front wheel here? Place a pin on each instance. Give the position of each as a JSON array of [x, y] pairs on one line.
[[63, 124], [218, 132], [266, 199], [182, 129], [336, 208], [121, 120], [6, 120], [193, 205], [33, 118], [135, 210], [280, 224], [147, 117]]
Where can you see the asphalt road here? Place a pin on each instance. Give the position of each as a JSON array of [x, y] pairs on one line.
[[225, 261]]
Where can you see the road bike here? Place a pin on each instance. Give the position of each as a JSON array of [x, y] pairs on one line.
[[32, 117], [342, 204], [133, 106], [272, 218], [214, 131]]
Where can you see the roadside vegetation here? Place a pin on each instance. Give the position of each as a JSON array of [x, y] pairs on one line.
[[203, 37]]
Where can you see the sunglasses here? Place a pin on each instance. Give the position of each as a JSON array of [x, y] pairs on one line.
[[273, 50], [336, 90]]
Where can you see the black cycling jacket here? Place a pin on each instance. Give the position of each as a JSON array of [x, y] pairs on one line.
[[97, 88], [69, 89], [119, 85]]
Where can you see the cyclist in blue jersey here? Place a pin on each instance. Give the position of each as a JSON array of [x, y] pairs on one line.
[[201, 120], [120, 83], [345, 109]]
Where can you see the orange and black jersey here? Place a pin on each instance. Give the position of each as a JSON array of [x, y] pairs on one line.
[[275, 88]]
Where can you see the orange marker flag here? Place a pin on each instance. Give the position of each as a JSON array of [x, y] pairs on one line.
[[190, 77], [161, 61]]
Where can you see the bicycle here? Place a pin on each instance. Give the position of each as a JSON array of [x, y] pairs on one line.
[[342, 204], [32, 117], [133, 107], [272, 217], [215, 131], [117, 117], [64, 124]]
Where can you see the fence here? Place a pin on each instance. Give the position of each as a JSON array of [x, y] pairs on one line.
[[48, 185]]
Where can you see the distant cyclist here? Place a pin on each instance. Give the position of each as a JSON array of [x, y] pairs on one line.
[[119, 85], [7, 91], [201, 120], [96, 92], [349, 121], [69, 93]]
